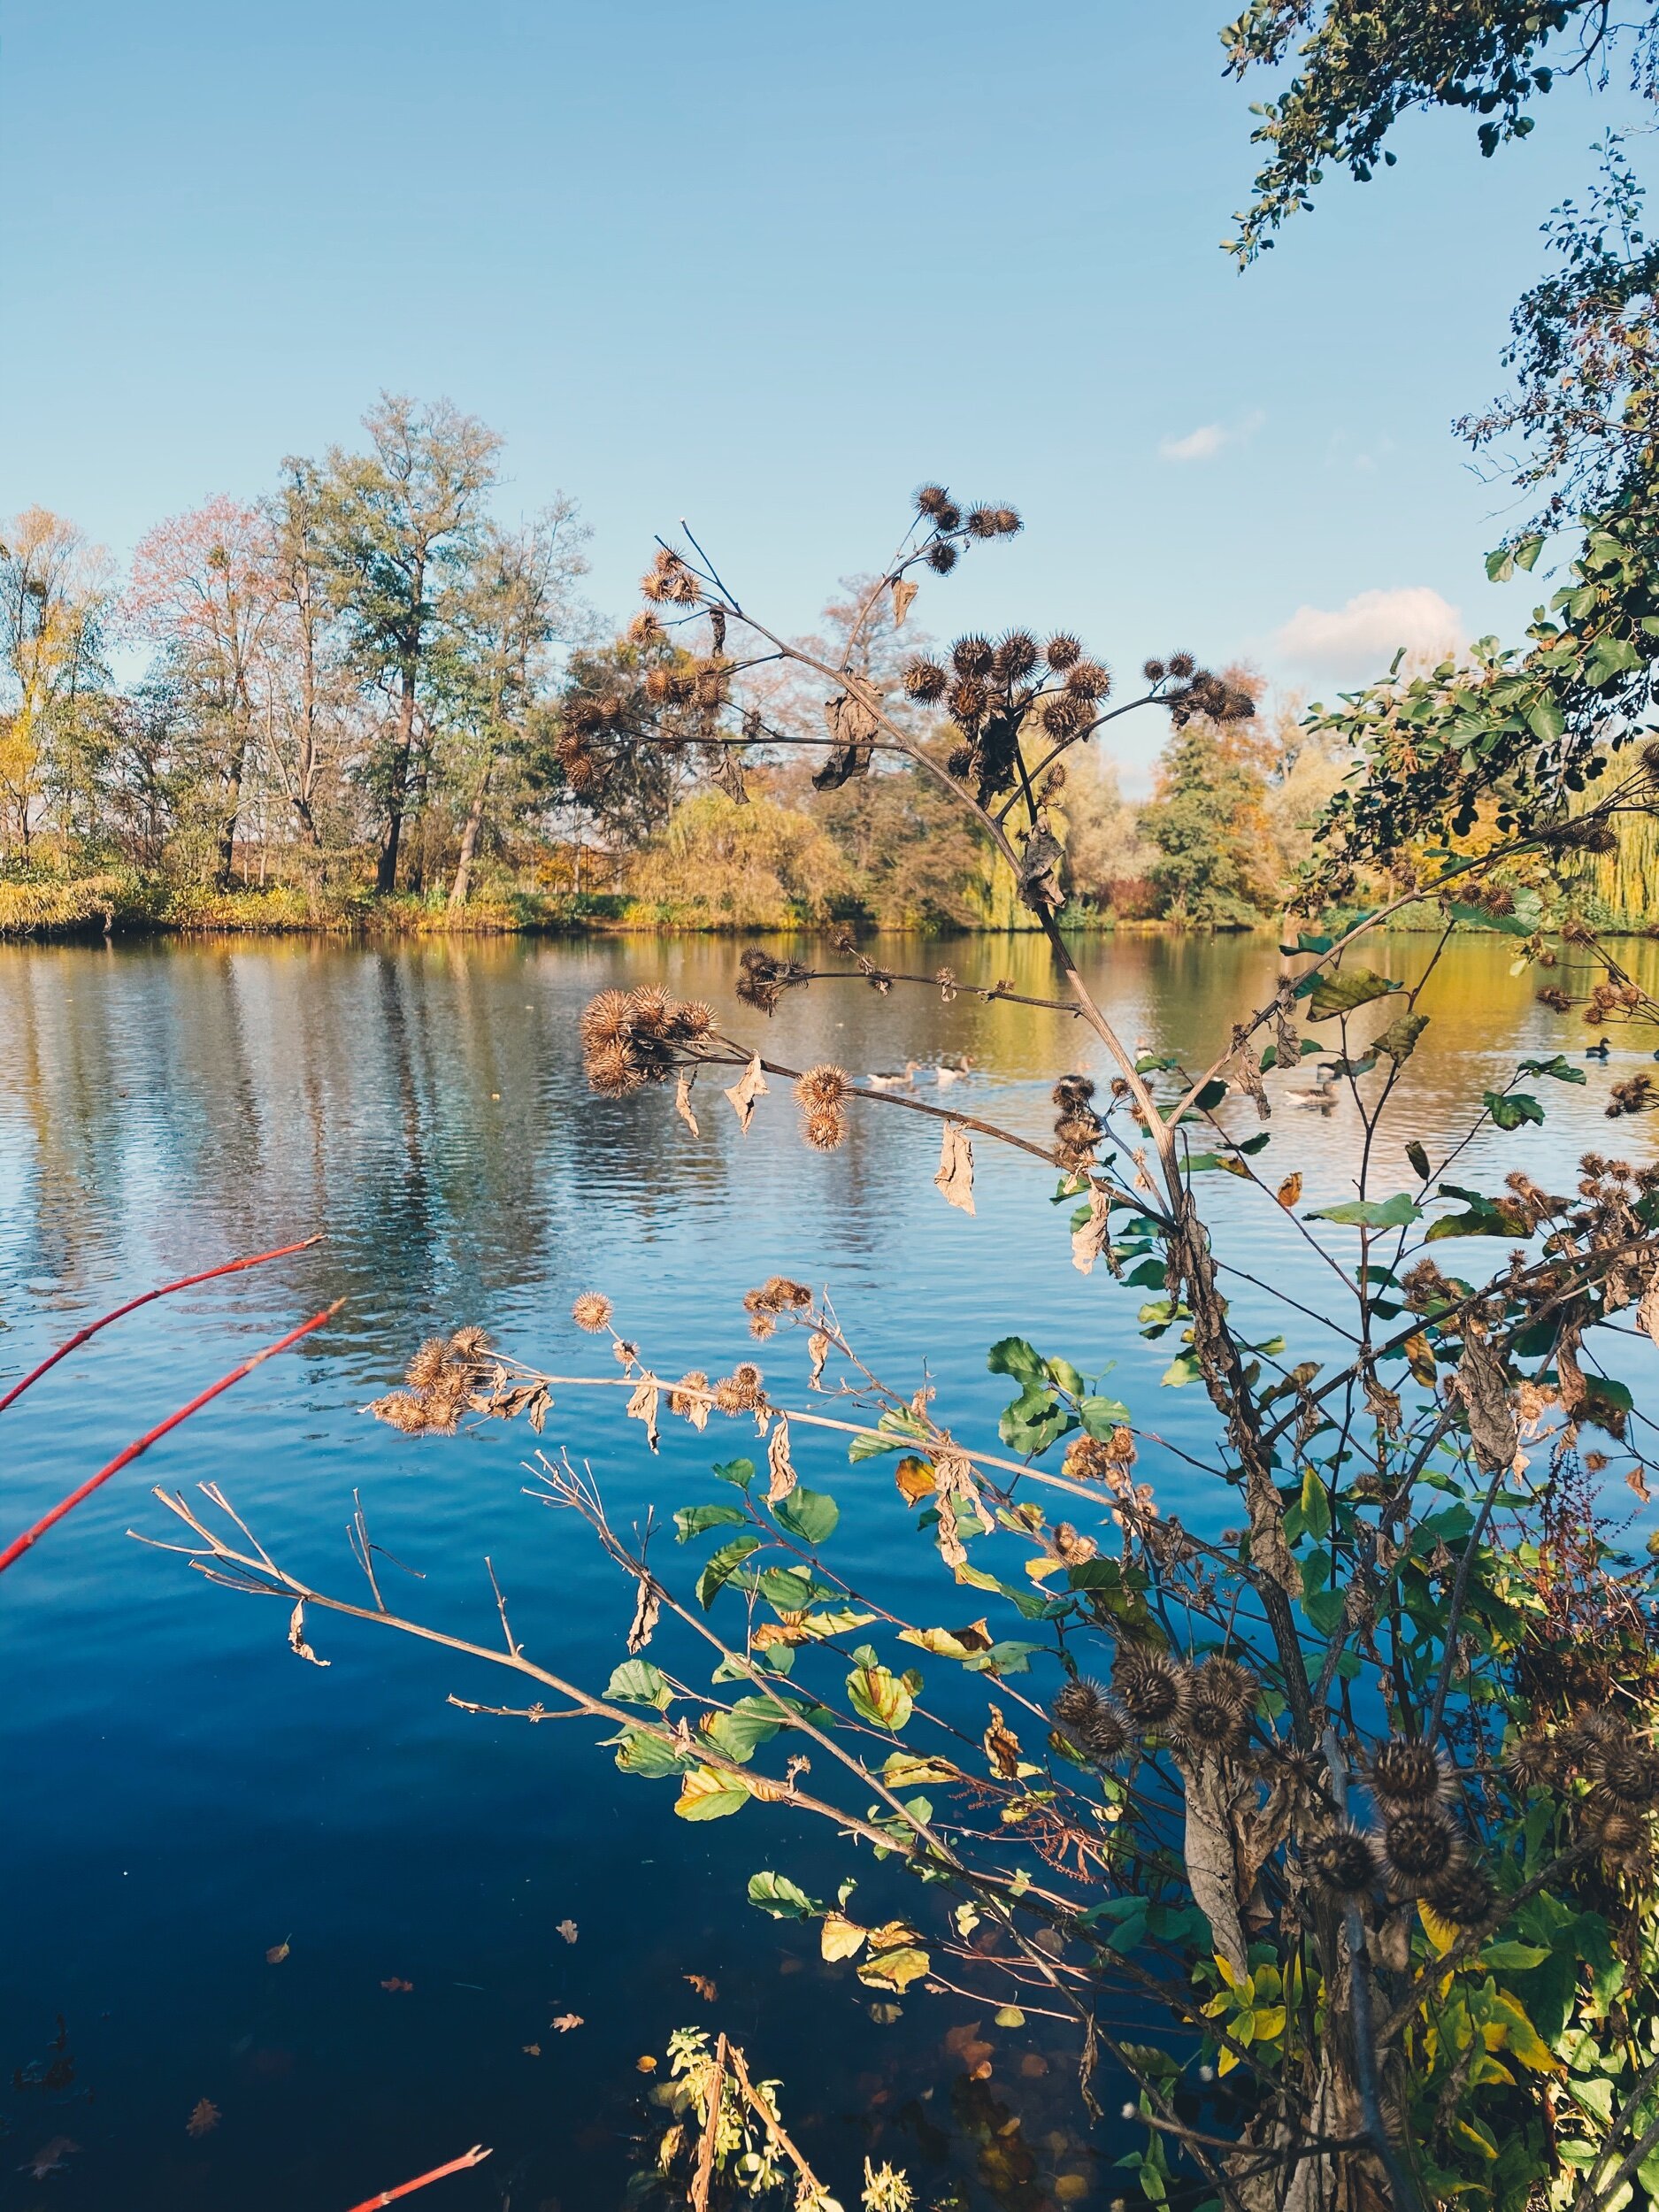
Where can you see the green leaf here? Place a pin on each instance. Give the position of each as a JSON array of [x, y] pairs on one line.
[[691, 1520], [1399, 1041], [1500, 565], [1511, 1956], [1065, 1377], [1420, 1160], [707, 1794], [1560, 1067], [752, 1721], [1528, 548], [1508, 1109], [1182, 1369], [1034, 1420], [1323, 1609], [784, 1900], [877, 1695], [1012, 1355], [1211, 1094], [1347, 989], [1370, 1213], [740, 1472], [1316, 1506], [790, 1589], [1612, 656], [648, 1756], [1101, 1416], [637, 1682], [722, 1567], [811, 1515], [898, 1430]]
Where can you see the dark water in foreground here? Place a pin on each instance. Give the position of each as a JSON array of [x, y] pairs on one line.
[[182, 1792]]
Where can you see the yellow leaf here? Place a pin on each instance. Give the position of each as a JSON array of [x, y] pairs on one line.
[[1039, 1570], [1270, 2025], [1226, 1972], [908, 1769], [915, 1480], [1289, 1190], [707, 1794], [1524, 2038], [945, 1643], [894, 1969], [1439, 1932], [891, 1934], [1469, 2136], [840, 1938]]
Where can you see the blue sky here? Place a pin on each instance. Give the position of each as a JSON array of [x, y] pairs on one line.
[[767, 266]]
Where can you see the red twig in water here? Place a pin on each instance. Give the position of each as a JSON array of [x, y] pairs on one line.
[[230, 1267], [16, 1550], [474, 2157]]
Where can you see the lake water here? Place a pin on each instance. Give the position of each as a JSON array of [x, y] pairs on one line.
[[182, 1793]]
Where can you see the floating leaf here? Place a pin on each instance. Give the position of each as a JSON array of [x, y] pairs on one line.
[[1009, 2017], [566, 2020], [955, 1172], [895, 1970], [397, 1985], [204, 2117], [566, 1930], [277, 1951]]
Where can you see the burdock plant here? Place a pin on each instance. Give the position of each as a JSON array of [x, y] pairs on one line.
[[1361, 1830]]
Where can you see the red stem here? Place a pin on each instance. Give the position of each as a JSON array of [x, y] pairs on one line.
[[16, 1550], [231, 1267], [474, 2157]]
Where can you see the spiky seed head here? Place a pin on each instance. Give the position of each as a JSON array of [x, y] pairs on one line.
[[933, 499], [1406, 1773], [968, 699], [1064, 714], [1072, 1091], [1016, 656], [645, 628], [1229, 1683], [1615, 1828], [1054, 782], [427, 1364], [685, 1397], [924, 680], [1421, 1842], [1464, 1896], [1182, 664], [1094, 1721], [1063, 651], [1076, 1704], [948, 518], [942, 558], [1007, 522], [1088, 679], [592, 1311], [1343, 1860], [972, 655], [1533, 1760], [650, 1010], [823, 1086], [1627, 1770], [469, 1345], [660, 686], [982, 522], [959, 761], [826, 1126], [607, 1018], [612, 1071], [1152, 1687], [403, 1410], [692, 1019], [1154, 671]]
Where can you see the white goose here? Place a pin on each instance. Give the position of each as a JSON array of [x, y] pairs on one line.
[[1320, 1094], [894, 1078]]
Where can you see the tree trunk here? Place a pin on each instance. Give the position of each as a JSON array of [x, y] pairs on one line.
[[233, 807], [463, 884], [386, 873]]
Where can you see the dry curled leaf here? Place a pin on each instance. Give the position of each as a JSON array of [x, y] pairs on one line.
[[749, 1085], [1637, 1481], [566, 2021], [296, 1636], [277, 1951], [703, 1983], [203, 2117], [1484, 1389], [955, 1173], [682, 1101], [1089, 1241], [648, 1604], [780, 1466], [1290, 1190], [1002, 1746], [903, 592], [567, 1929], [1648, 1311], [641, 1405], [915, 1480], [818, 1345]]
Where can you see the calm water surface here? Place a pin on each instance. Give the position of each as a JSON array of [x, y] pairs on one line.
[[180, 1792]]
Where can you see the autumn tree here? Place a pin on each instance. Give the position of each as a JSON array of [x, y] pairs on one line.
[[401, 524], [1208, 820], [55, 600]]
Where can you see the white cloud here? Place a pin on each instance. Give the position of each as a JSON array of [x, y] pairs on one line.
[[1209, 439], [1362, 637]]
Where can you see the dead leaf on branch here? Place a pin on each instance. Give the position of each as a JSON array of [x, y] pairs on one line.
[[779, 1465], [817, 1345], [203, 2118], [1208, 1850], [903, 594], [648, 1604], [1002, 1746], [915, 1480], [955, 1173], [1484, 1389], [1637, 1481], [1092, 1239], [296, 1636], [682, 1101], [749, 1085], [1647, 1312], [642, 1406], [854, 728], [1289, 1191]]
